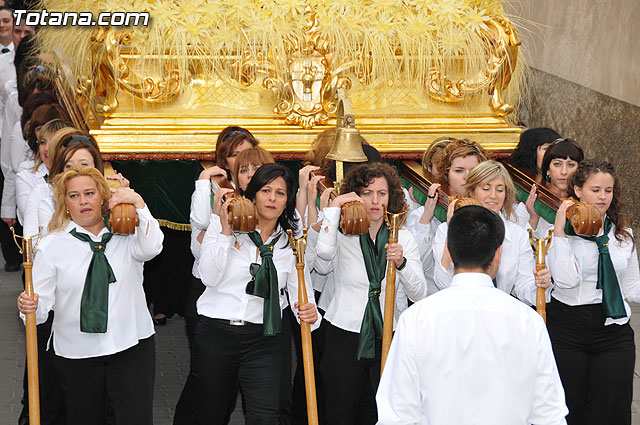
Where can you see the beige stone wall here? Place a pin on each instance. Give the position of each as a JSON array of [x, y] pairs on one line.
[[593, 43], [605, 127], [585, 79]]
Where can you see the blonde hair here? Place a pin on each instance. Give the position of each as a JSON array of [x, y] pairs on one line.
[[61, 218], [251, 156], [49, 129], [487, 171], [458, 149]]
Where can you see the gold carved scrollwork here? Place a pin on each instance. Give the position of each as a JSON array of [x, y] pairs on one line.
[[113, 73], [502, 54], [306, 88]]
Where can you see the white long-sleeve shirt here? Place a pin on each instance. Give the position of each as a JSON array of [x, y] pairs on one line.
[[515, 275], [26, 181], [59, 271], [321, 271], [522, 219], [348, 304], [573, 263], [424, 235], [32, 219], [470, 355], [8, 164], [224, 270], [201, 204]]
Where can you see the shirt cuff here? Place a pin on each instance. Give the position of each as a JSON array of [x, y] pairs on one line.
[[203, 185], [332, 216]]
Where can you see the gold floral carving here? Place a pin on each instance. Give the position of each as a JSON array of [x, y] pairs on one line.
[[502, 54]]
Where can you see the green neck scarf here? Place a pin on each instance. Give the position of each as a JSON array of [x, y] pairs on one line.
[[94, 305], [375, 260], [266, 286], [607, 280]]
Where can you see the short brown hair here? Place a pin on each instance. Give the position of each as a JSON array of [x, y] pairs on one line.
[[361, 176], [60, 217], [458, 148], [253, 156]]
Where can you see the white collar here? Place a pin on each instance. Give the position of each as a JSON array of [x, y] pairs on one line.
[[81, 229], [468, 279]]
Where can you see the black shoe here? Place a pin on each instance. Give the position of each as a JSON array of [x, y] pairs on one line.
[[160, 321], [13, 267]]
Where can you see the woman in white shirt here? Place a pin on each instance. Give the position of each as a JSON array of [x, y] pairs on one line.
[[588, 317], [490, 183], [560, 161], [244, 167], [351, 361], [102, 329], [238, 335], [231, 141], [453, 165], [45, 122]]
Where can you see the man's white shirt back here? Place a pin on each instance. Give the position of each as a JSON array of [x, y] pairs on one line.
[[471, 354]]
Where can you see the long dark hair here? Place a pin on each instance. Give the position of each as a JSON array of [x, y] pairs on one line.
[[525, 154], [615, 212], [361, 176], [266, 174]]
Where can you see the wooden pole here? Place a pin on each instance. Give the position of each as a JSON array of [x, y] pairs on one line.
[[541, 300], [298, 245], [307, 353], [32, 338], [540, 248], [389, 307], [393, 222]]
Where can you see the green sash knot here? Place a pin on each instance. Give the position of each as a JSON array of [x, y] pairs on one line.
[[612, 302], [94, 305], [375, 261], [266, 286]]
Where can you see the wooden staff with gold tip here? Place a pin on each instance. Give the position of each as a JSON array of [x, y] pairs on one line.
[[299, 245], [393, 222], [26, 249], [540, 248]]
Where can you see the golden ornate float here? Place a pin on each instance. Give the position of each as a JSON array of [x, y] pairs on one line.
[[413, 71]]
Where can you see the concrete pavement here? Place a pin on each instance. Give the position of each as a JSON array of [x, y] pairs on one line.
[[172, 360]]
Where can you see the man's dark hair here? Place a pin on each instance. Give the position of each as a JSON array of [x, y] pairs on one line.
[[475, 234]]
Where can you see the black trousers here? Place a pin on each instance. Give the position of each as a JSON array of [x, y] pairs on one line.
[[595, 363], [350, 384], [124, 379], [52, 410], [196, 288], [299, 407], [223, 354], [168, 275]]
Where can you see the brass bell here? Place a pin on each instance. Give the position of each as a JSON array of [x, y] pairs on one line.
[[347, 146]]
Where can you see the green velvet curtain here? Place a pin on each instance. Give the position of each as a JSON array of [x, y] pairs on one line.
[[166, 187]]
